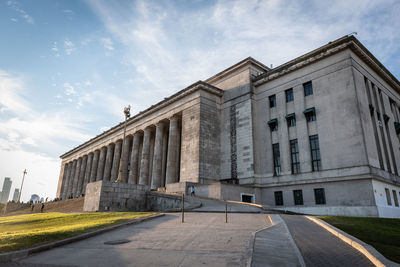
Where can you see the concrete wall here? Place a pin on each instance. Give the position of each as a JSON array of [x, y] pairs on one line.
[[348, 198], [110, 196], [227, 191], [384, 209]]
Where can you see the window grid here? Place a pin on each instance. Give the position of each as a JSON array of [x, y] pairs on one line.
[[308, 89], [294, 152], [277, 159], [298, 197], [291, 121], [272, 101], [278, 198], [311, 116], [315, 154], [396, 201], [289, 95], [388, 199], [319, 194]]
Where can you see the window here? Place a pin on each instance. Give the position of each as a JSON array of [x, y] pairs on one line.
[[315, 154], [289, 95], [298, 197], [310, 114], [272, 101], [319, 194], [388, 199], [273, 125], [396, 201], [294, 152], [277, 159], [278, 198], [291, 120], [308, 90]]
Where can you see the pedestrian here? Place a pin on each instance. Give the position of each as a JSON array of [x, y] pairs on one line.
[[42, 208], [33, 206], [192, 191]]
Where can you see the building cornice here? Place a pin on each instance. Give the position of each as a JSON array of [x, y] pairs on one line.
[[346, 42], [237, 66], [200, 85]]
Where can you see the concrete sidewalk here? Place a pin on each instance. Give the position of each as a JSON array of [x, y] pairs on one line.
[[321, 248]]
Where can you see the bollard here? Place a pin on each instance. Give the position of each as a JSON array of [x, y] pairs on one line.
[[226, 212], [183, 207]]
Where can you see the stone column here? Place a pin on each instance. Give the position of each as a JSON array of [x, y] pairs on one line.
[[64, 188], [81, 176], [164, 159], [157, 159], [87, 172], [100, 167], [76, 177], [109, 160], [71, 178], [125, 160], [144, 163], [133, 172], [93, 171], [117, 157], [173, 146]]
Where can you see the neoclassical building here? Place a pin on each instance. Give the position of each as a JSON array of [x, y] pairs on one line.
[[319, 134]]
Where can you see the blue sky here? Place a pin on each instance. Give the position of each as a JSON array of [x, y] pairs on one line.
[[67, 68]]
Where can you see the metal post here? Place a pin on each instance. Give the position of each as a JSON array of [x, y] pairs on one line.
[[22, 184], [183, 207], [127, 115], [226, 212]]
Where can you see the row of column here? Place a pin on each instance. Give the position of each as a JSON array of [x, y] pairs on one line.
[[149, 157]]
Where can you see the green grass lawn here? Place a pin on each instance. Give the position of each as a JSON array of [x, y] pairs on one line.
[[24, 231], [383, 234]]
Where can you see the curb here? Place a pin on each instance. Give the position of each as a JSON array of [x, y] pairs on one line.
[[13, 255], [368, 251]]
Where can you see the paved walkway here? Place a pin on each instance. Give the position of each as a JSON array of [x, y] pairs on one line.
[[321, 248], [203, 240]]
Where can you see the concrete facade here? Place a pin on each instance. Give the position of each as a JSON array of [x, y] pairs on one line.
[[5, 192], [318, 134]]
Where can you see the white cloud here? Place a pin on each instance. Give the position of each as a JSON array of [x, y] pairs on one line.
[[107, 43], [69, 89], [16, 6], [11, 88], [68, 11], [69, 47], [14, 19]]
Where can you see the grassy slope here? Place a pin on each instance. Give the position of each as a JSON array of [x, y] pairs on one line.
[[383, 234], [24, 231]]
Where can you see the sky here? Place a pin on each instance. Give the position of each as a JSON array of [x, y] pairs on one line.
[[68, 68]]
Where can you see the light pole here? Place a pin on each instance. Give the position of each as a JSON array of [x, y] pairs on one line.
[[22, 184], [127, 112]]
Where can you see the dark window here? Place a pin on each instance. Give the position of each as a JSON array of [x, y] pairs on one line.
[[389, 200], [396, 201], [278, 198], [294, 151], [298, 197], [289, 95], [291, 121], [273, 125], [247, 198], [319, 194], [272, 101], [315, 154], [310, 116], [307, 88], [277, 159]]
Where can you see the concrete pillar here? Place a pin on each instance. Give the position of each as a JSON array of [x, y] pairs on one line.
[[71, 178], [133, 172], [93, 171], [109, 160], [173, 146], [64, 188], [164, 159], [61, 183], [125, 159], [100, 167], [117, 157], [81, 176], [76, 177], [87, 172], [144, 163], [157, 159]]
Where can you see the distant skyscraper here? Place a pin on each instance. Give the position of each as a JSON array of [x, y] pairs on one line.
[[5, 193], [16, 193]]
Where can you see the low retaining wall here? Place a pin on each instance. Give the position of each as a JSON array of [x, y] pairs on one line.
[[12, 206]]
